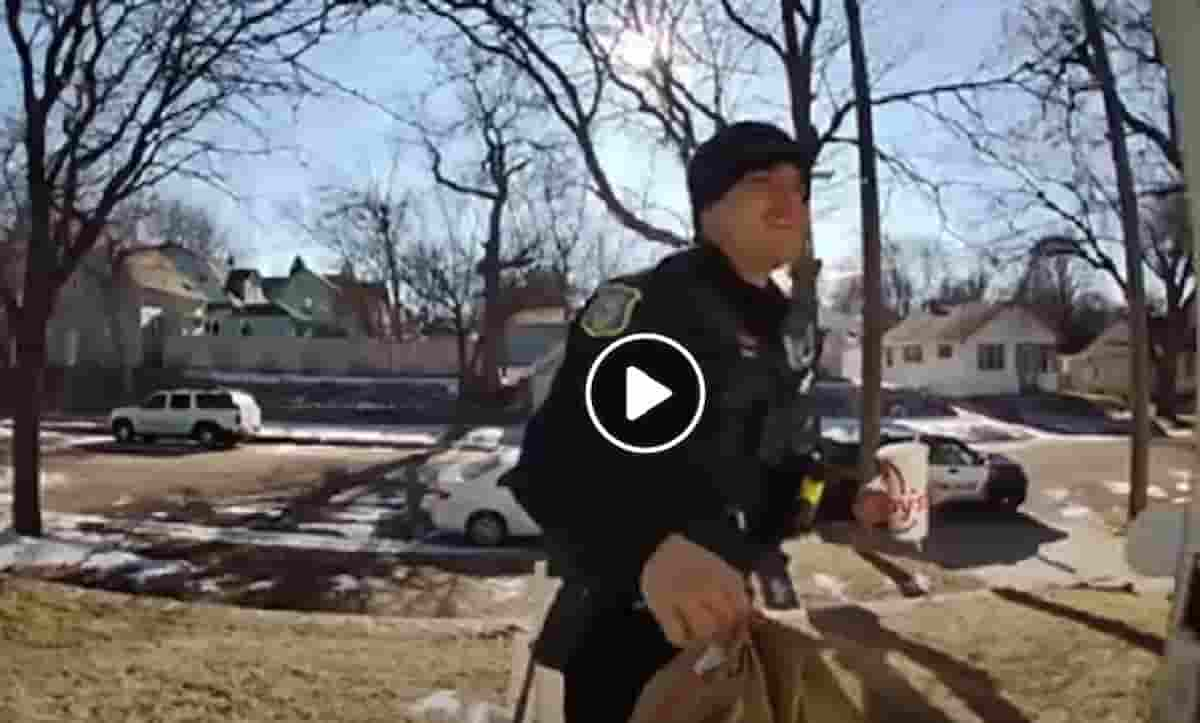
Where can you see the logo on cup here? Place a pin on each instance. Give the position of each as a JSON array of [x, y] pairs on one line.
[[905, 504]]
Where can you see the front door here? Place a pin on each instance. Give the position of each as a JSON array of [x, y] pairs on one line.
[[1029, 366]]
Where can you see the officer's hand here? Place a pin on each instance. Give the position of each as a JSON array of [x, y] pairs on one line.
[[693, 594]]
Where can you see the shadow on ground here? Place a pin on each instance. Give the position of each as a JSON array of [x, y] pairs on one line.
[[1116, 628], [960, 538], [890, 696], [144, 449]]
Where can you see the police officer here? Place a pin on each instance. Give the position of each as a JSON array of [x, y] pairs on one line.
[[656, 550]]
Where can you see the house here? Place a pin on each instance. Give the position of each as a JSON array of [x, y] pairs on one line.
[[972, 349], [841, 349], [369, 303], [529, 335], [117, 310], [1103, 366]]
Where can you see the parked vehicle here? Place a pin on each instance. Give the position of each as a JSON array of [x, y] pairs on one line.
[[957, 473], [213, 418], [466, 499]]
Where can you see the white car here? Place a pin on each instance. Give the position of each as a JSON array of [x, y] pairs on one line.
[[466, 499], [212, 417]]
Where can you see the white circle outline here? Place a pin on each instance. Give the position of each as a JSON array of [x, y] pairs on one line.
[[677, 439]]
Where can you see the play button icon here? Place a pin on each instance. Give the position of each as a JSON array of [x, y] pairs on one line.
[[645, 393], [642, 393]]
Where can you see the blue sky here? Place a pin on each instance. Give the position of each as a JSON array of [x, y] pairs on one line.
[[340, 139]]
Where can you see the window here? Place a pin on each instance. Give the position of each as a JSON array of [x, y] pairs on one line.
[[912, 354], [158, 401], [951, 454], [1047, 361], [247, 330], [945, 351], [991, 357], [308, 302], [214, 401], [216, 328], [181, 401], [887, 356]]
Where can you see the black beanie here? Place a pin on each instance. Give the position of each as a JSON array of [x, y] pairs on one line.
[[741, 148]]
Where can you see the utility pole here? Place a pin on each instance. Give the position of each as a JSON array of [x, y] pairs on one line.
[[1177, 697], [872, 340], [1139, 471]]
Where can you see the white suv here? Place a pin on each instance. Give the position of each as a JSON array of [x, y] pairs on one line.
[[212, 417]]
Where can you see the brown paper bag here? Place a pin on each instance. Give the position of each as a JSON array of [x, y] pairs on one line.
[[774, 674]]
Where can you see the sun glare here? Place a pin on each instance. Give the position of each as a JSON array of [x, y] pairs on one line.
[[638, 51]]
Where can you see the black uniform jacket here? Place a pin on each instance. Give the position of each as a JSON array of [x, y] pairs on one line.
[[604, 510]]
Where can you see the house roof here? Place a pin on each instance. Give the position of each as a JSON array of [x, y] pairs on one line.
[[175, 271], [237, 278], [957, 323], [271, 285]]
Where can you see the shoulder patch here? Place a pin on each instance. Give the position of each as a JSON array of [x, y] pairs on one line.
[[610, 310]]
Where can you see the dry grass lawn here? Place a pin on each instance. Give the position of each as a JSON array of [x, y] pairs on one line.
[[72, 654], [1062, 656]]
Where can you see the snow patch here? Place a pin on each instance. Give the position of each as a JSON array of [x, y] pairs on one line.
[[346, 583], [112, 561], [828, 583], [345, 496], [49, 479], [207, 586], [16, 550], [1117, 488], [123, 501], [1058, 494], [1074, 511], [510, 588], [1183, 487], [1157, 492], [1181, 500], [402, 436], [1179, 473], [363, 514], [448, 706], [260, 585]]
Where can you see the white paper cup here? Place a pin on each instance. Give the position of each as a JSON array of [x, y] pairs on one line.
[[904, 476]]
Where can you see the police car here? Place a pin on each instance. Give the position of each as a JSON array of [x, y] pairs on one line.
[[957, 473]]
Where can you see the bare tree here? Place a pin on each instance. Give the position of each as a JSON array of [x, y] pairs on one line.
[[1097, 60], [115, 97], [555, 222], [189, 225], [440, 272], [1167, 229], [495, 117], [670, 72], [1057, 287], [1096, 82], [368, 225]]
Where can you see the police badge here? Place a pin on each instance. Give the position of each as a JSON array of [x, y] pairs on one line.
[[610, 310]]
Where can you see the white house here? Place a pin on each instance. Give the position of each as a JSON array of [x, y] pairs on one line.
[[841, 352], [1103, 367], [972, 349]]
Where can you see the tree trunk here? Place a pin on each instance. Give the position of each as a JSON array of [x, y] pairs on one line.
[[493, 318], [27, 412], [872, 342], [1166, 373], [1140, 347], [116, 330]]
